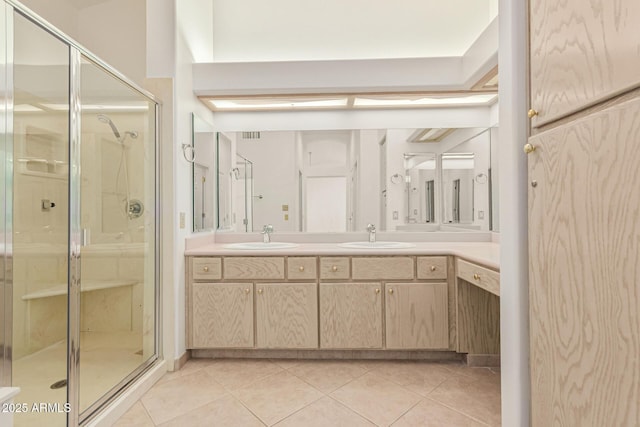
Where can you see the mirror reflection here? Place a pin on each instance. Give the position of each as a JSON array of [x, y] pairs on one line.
[[342, 180], [203, 169]]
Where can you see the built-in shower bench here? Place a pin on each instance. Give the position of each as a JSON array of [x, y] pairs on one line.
[[62, 288]]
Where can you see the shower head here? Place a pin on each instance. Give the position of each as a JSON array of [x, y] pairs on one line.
[[107, 120]]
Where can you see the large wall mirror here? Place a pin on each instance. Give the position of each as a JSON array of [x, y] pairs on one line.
[[203, 169], [341, 180]]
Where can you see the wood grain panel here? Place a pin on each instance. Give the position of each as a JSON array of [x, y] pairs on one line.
[[254, 268], [478, 317], [482, 277], [301, 268], [287, 315], [382, 268], [584, 251], [581, 52], [451, 289], [432, 267], [350, 315], [416, 315], [222, 315], [334, 268], [206, 268]]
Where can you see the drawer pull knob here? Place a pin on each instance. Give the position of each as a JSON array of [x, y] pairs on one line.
[[433, 268], [246, 291], [529, 148], [205, 268], [301, 268], [476, 276], [334, 268], [390, 290], [260, 291], [377, 291], [532, 113]]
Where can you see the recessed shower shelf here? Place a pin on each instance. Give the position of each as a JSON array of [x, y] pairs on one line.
[[61, 289]]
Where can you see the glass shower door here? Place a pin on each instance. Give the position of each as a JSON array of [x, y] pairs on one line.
[[118, 229]]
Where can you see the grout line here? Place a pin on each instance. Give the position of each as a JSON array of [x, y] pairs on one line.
[[458, 411], [405, 412], [248, 409]]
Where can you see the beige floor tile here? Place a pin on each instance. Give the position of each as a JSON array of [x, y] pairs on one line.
[[328, 375], [432, 414], [192, 365], [277, 396], [177, 397], [324, 413], [137, 416], [476, 396], [287, 363], [376, 398], [237, 373], [418, 377], [223, 412]]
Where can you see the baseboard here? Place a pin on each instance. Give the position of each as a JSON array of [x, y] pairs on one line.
[[483, 360], [181, 361], [327, 354]]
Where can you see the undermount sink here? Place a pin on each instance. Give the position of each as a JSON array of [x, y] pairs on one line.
[[260, 245], [377, 245]]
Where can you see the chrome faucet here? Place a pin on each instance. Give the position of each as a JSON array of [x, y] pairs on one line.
[[266, 233], [372, 233]]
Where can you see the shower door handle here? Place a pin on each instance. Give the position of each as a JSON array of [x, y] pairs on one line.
[[85, 238]]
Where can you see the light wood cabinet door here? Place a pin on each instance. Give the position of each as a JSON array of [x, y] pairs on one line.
[[222, 315], [417, 315], [584, 275], [350, 315], [581, 52], [287, 315]]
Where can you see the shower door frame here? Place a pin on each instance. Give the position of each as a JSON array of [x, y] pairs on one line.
[[76, 54]]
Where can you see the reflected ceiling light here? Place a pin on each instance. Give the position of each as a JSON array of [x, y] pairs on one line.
[[430, 135], [92, 108], [424, 101], [26, 108], [276, 104]]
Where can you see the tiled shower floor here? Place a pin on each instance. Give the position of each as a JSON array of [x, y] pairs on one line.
[[310, 393], [105, 359]]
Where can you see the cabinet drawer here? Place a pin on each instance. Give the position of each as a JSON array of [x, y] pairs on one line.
[[334, 268], [482, 277], [432, 267], [254, 268], [301, 268], [206, 268], [382, 268]]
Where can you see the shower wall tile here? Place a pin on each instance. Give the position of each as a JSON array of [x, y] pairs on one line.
[[137, 301], [106, 310], [99, 268], [47, 322], [131, 268]]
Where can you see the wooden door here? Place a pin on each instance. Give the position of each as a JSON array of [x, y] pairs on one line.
[[581, 52], [417, 315], [287, 315], [222, 315], [584, 249], [350, 315]]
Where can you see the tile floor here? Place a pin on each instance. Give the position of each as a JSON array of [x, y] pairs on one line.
[[310, 393]]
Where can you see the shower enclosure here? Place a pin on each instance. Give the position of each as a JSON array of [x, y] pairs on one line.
[[79, 291]]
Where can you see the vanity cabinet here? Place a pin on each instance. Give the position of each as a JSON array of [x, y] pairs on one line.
[[331, 303], [286, 315], [222, 315], [416, 315], [350, 315]]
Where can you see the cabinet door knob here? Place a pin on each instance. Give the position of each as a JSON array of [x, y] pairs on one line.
[[205, 268], [532, 113], [433, 268], [390, 290], [260, 291], [334, 268], [246, 291], [301, 268], [476, 276], [377, 291], [529, 148]]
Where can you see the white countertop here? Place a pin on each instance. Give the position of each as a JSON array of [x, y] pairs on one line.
[[485, 253]]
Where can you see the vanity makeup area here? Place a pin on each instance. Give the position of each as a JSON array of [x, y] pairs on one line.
[[344, 244]]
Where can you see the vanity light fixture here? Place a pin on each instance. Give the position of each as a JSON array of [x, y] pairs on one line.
[[423, 101], [277, 104]]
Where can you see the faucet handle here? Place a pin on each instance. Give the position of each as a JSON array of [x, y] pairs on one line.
[[267, 228], [371, 228]]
